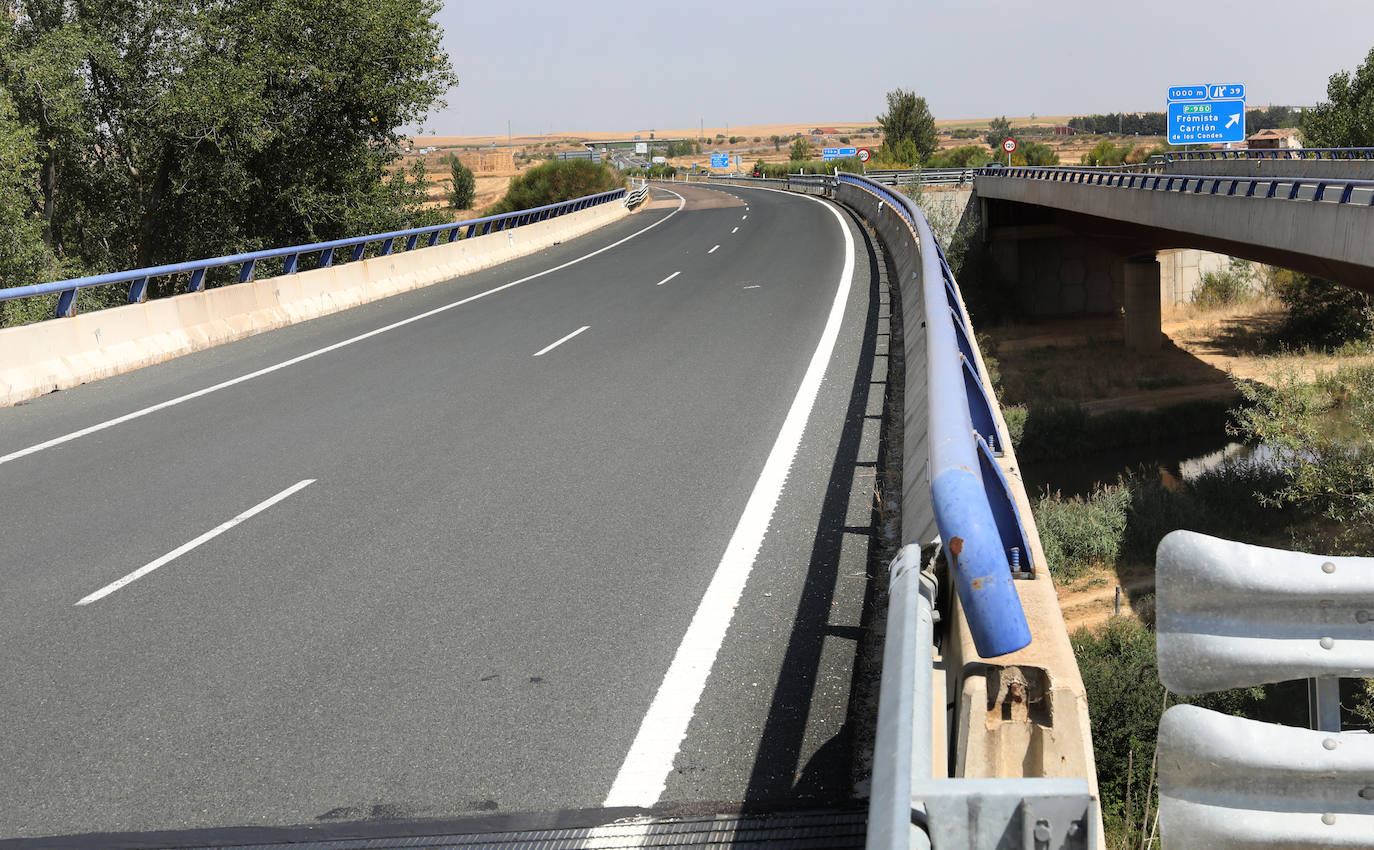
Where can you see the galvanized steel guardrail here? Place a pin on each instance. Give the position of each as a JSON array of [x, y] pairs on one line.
[[1235, 615], [247, 262], [1266, 153], [923, 176], [1317, 190]]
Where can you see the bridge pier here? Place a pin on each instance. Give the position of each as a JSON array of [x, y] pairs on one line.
[[1142, 307]]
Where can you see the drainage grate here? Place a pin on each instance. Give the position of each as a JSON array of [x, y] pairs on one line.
[[826, 830]]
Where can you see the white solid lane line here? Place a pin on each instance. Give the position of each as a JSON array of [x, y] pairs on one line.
[[186, 547], [120, 420], [713, 250], [668, 278], [644, 773], [546, 349]]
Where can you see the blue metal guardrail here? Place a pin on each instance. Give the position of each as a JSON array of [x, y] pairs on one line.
[[982, 533], [1319, 190], [138, 278]]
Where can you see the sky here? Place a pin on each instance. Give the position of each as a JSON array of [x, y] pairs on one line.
[[577, 66]]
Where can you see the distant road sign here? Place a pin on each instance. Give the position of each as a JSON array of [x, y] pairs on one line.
[[1009, 145], [865, 154], [720, 160], [828, 154], [641, 147], [1206, 121], [1187, 93]]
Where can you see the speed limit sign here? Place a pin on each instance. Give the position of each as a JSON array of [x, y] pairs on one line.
[[864, 154], [1009, 145]]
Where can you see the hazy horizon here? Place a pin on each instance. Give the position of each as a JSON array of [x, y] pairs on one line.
[[564, 68]]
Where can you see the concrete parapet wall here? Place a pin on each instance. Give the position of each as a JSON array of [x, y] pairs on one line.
[[1022, 714], [62, 353], [1307, 169]]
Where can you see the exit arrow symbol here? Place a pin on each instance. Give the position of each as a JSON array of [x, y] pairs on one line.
[[1232, 122]]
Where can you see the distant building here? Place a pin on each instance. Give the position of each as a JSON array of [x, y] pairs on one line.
[[1065, 130], [1283, 137], [825, 131]]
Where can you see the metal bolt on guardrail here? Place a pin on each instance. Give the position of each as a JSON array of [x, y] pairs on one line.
[[247, 262]]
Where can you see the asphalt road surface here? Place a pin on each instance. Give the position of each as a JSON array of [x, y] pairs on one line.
[[597, 538]]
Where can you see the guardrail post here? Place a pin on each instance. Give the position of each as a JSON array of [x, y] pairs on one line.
[[326, 258], [66, 304], [359, 250], [288, 263], [246, 270], [387, 246], [138, 291], [410, 242], [197, 281]]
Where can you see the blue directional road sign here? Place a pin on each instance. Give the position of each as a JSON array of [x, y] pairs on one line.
[[828, 154], [1187, 93], [720, 160], [1206, 121], [1234, 91]]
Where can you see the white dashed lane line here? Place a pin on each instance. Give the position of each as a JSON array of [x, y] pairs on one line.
[[668, 278], [713, 250], [546, 349]]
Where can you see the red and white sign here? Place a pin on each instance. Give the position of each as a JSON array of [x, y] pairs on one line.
[[1009, 145], [864, 154]]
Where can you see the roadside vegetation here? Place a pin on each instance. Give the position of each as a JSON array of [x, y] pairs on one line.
[[555, 181], [1300, 354], [129, 137]]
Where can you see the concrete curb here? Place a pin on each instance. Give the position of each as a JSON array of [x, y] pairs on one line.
[[61, 353]]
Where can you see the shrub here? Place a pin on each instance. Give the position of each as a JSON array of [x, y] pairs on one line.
[[556, 181], [1230, 285], [1320, 313], [1078, 534]]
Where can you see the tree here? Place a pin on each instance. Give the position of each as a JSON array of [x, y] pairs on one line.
[[777, 142], [908, 128], [1347, 120], [801, 151], [165, 131], [464, 189], [999, 129]]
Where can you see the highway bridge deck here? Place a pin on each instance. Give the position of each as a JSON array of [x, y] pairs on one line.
[[434, 557]]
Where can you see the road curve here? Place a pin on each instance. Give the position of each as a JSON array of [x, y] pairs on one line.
[[445, 569]]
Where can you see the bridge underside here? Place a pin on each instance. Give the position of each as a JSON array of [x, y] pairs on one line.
[[1130, 238]]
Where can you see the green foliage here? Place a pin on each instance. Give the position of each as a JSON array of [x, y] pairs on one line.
[[999, 129], [164, 131], [965, 156], [777, 142], [801, 151], [1106, 153], [24, 257], [1320, 313], [556, 181], [1078, 534], [1322, 434], [1273, 117], [686, 147], [1120, 671], [464, 189], [1125, 123], [1036, 153], [1347, 119], [909, 136], [1231, 285]]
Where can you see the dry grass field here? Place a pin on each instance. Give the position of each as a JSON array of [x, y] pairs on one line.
[[753, 143]]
